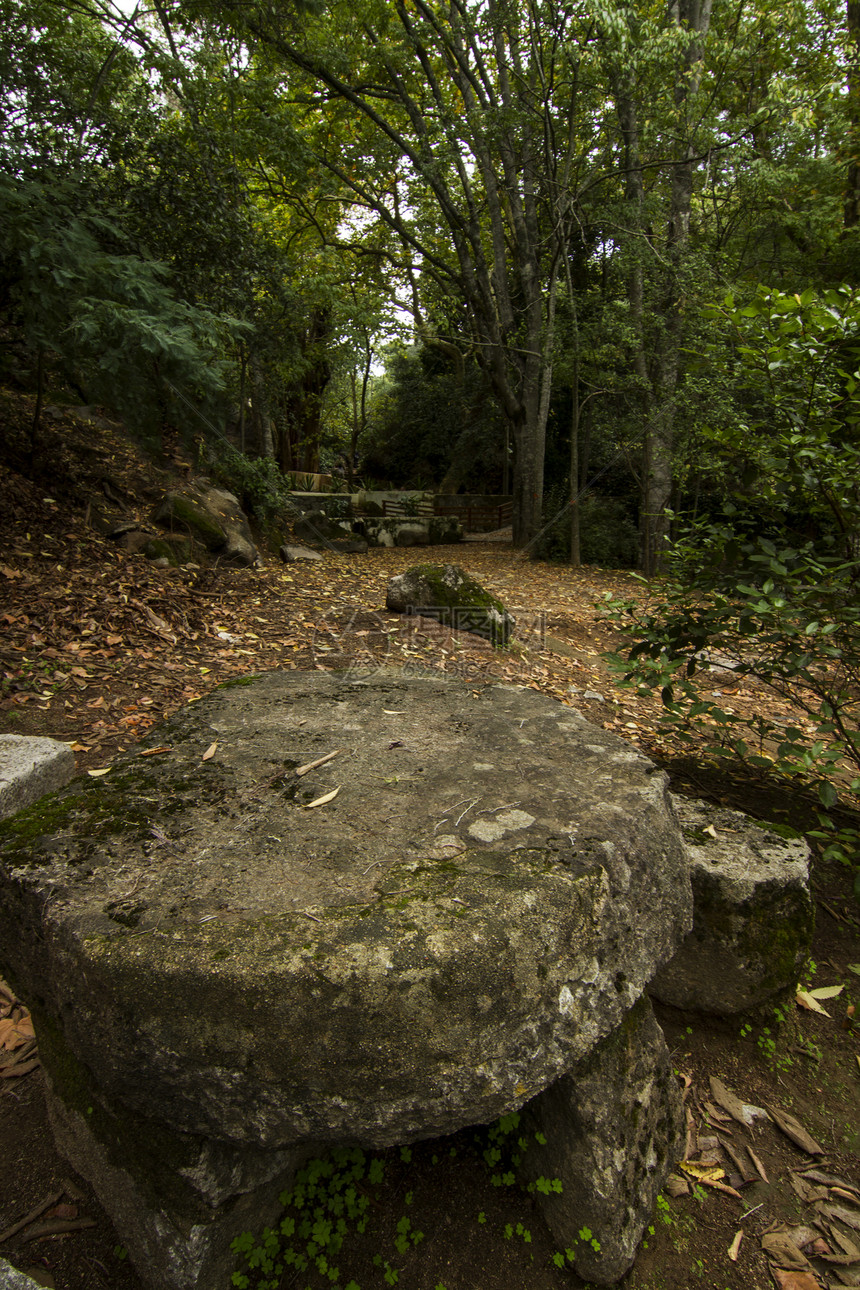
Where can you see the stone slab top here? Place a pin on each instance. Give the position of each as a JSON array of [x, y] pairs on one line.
[[30, 767], [326, 905]]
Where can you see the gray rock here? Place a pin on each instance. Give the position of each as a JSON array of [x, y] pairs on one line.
[[431, 530], [290, 554], [12, 1279], [613, 1128], [30, 767], [256, 979], [316, 528], [453, 597], [212, 516], [753, 914]]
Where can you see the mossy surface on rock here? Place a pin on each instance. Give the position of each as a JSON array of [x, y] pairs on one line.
[[452, 595]]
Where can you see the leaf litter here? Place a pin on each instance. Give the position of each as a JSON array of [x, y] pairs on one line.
[[107, 645]]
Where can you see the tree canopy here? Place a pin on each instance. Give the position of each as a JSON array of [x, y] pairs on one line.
[[217, 211]]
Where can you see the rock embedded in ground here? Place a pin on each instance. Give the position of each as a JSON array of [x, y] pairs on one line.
[[753, 914], [12, 1279], [30, 767], [225, 975], [453, 597], [211, 516], [428, 530], [290, 554]]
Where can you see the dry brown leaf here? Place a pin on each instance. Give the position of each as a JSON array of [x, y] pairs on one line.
[[758, 1164], [846, 1245], [15, 1033], [154, 752], [210, 752], [790, 1280], [729, 1101], [849, 1217], [736, 1245], [805, 1192], [792, 1128]]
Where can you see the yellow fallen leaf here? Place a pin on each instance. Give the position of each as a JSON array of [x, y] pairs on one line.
[[321, 801], [210, 752], [95, 773], [827, 991], [706, 1173], [806, 1000]]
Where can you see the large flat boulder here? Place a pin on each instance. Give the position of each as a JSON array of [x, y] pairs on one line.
[[232, 962]]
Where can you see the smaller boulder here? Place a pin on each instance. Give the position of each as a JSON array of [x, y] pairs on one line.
[[451, 596], [317, 529], [30, 767], [290, 554], [753, 915], [212, 516]]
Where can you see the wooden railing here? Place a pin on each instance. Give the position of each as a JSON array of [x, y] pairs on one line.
[[476, 517], [479, 517], [408, 509]]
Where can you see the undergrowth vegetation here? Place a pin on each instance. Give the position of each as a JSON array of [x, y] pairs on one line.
[[329, 1218]]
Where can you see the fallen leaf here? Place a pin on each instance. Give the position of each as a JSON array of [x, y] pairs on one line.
[[845, 1243], [827, 991], [758, 1164], [736, 1245], [153, 752], [806, 1000], [787, 1280], [321, 801], [210, 752], [847, 1216], [792, 1128], [105, 770], [703, 1173], [15, 1033], [743, 1112]]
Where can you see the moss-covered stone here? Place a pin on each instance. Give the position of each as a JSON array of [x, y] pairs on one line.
[[183, 509], [452, 595]]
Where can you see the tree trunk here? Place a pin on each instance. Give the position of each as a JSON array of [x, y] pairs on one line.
[[852, 179], [575, 554]]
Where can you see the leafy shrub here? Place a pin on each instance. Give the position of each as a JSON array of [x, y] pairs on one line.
[[258, 483], [781, 609]]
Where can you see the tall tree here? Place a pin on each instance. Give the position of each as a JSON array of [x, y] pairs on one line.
[[464, 113]]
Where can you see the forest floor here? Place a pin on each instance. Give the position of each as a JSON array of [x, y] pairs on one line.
[[97, 646]]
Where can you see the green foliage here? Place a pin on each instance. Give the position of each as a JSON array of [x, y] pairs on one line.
[[111, 316], [257, 482], [782, 606]]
